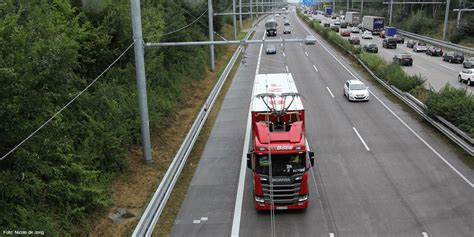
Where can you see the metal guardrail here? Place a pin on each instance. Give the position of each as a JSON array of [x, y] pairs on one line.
[[438, 42], [157, 203], [448, 129]]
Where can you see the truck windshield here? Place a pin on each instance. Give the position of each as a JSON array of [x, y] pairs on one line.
[[281, 164]]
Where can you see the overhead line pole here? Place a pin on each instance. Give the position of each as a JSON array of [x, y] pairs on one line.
[[141, 79], [211, 33], [446, 18], [234, 19], [251, 10], [240, 16], [391, 11]]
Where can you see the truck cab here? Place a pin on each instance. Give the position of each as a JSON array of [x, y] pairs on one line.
[[279, 159]]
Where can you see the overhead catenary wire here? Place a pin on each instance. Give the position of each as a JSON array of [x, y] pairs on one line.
[[67, 104], [222, 37], [177, 30], [270, 170]]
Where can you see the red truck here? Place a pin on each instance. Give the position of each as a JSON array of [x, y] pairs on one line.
[[279, 158]]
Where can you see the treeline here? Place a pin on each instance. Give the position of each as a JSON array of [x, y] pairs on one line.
[[49, 51], [425, 19]]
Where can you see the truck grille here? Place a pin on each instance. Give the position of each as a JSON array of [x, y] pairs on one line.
[[285, 189]]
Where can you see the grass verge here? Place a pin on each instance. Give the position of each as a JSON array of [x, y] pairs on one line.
[[133, 187]]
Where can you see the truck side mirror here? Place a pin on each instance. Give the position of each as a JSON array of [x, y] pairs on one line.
[[249, 160], [311, 157]]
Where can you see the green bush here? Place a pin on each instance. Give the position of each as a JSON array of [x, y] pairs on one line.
[[455, 105], [49, 51], [394, 75]]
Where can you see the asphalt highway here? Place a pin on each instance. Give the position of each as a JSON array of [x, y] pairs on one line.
[[436, 72], [378, 171]]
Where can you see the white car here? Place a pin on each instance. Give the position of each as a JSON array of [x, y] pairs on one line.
[[467, 75], [337, 22], [367, 35], [355, 90], [355, 30], [420, 47], [277, 15]]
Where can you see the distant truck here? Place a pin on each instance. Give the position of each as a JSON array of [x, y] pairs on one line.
[[390, 31], [271, 27], [328, 11], [353, 18], [373, 23], [279, 158]]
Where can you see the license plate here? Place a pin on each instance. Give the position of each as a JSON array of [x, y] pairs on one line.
[[281, 207]]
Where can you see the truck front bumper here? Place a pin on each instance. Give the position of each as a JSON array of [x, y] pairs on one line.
[[267, 206]]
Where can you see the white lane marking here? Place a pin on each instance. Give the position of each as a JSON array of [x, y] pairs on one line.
[[196, 221], [204, 218], [450, 68], [315, 68], [287, 69], [394, 114], [243, 165], [284, 54], [301, 44], [330, 92], [308, 148], [425, 142], [420, 67], [361, 139], [281, 44], [306, 53], [331, 234], [424, 234]]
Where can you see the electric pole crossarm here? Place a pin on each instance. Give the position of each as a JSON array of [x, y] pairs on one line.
[[243, 13], [228, 42], [386, 3]]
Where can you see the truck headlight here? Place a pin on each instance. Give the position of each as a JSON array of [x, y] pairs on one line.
[[259, 199], [303, 198]]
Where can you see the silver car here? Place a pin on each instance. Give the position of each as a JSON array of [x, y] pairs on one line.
[[468, 63], [310, 40], [271, 49]]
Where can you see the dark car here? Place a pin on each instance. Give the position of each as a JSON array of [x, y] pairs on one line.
[[468, 63], [343, 24], [400, 39], [453, 57], [434, 51], [326, 24], [354, 40], [371, 48], [411, 43], [389, 43], [335, 28], [403, 59]]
